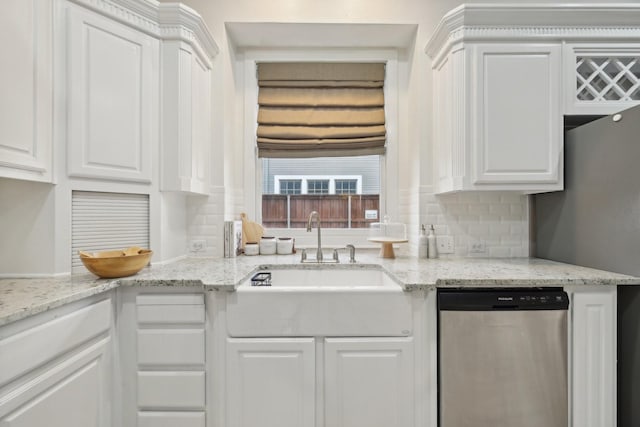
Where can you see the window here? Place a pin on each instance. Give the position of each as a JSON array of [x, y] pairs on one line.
[[376, 174], [324, 183], [346, 186], [318, 186], [290, 186]]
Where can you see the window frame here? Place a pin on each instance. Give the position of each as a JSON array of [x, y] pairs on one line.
[[278, 183], [349, 183], [323, 186], [389, 171], [304, 182]]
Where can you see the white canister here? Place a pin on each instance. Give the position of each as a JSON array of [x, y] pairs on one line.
[[251, 248], [268, 246], [284, 246]]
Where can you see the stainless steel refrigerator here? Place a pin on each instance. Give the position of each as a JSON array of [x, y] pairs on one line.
[[595, 222]]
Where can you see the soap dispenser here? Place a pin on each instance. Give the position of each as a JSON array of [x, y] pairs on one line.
[[423, 243], [431, 243]]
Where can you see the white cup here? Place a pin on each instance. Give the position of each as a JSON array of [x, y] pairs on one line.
[[285, 245]]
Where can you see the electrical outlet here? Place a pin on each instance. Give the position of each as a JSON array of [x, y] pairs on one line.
[[197, 245], [444, 244], [477, 247]]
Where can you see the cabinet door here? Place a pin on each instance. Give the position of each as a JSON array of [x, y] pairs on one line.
[[76, 400], [26, 90], [369, 382], [594, 357], [518, 113], [58, 373], [271, 382], [113, 78], [186, 123], [201, 122]]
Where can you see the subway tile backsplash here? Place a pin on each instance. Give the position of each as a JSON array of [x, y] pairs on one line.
[[497, 220]]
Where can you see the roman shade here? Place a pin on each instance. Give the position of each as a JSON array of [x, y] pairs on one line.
[[311, 109]]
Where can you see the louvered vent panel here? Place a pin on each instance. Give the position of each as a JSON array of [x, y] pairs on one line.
[[601, 78], [107, 221]]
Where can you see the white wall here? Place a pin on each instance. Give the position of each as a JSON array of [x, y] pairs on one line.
[[26, 227]]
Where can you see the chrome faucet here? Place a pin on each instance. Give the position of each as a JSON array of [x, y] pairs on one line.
[[309, 226], [352, 253]]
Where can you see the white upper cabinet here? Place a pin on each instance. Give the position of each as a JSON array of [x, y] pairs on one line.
[[516, 105], [186, 117], [504, 75], [26, 90], [138, 85], [113, 98], [601, 78], [497, 106]]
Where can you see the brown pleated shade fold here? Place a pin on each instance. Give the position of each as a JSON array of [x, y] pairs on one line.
[[308, 109]]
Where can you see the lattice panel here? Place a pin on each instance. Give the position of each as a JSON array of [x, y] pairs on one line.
[[602, 78]]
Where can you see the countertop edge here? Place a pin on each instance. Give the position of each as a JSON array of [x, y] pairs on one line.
[[54, 303], [408, 274]]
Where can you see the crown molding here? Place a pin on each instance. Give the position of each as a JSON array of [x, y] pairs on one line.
[[537, 22], [179, 22], [165, 21]]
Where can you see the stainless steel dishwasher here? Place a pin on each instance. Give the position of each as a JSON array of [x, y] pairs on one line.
[[502, 358]]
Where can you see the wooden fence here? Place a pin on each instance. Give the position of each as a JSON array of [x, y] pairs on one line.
[[336, 211]]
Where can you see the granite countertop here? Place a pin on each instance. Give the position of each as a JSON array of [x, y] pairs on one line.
[[20, 298]]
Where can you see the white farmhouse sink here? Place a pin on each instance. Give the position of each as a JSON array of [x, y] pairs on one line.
[[320, 301]]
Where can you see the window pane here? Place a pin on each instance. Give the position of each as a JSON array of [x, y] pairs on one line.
[[344, 190], [290, 186], [346, 186], [318, 186]]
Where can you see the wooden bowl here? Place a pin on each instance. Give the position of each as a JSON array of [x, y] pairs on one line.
[[112, 264]]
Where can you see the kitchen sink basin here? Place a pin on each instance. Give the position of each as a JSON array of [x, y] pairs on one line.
[[320, 301]]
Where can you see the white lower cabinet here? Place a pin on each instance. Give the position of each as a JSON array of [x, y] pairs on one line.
[[162, 358], [594, 356], [57, 371], [271, 382], [280, 381], [57, 368], [368, 382]]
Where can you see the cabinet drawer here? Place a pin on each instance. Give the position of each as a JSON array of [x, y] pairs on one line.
[[171, 390], [171, 419], [170, 299], [170, 308], [29, 349], [171, 314], [171, 347]]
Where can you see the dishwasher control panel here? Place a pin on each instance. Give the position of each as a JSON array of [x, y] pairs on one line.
[[503, 299]]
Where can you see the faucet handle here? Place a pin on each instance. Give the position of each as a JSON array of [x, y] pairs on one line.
[[352, 253], [303, 255], [335, 255]]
